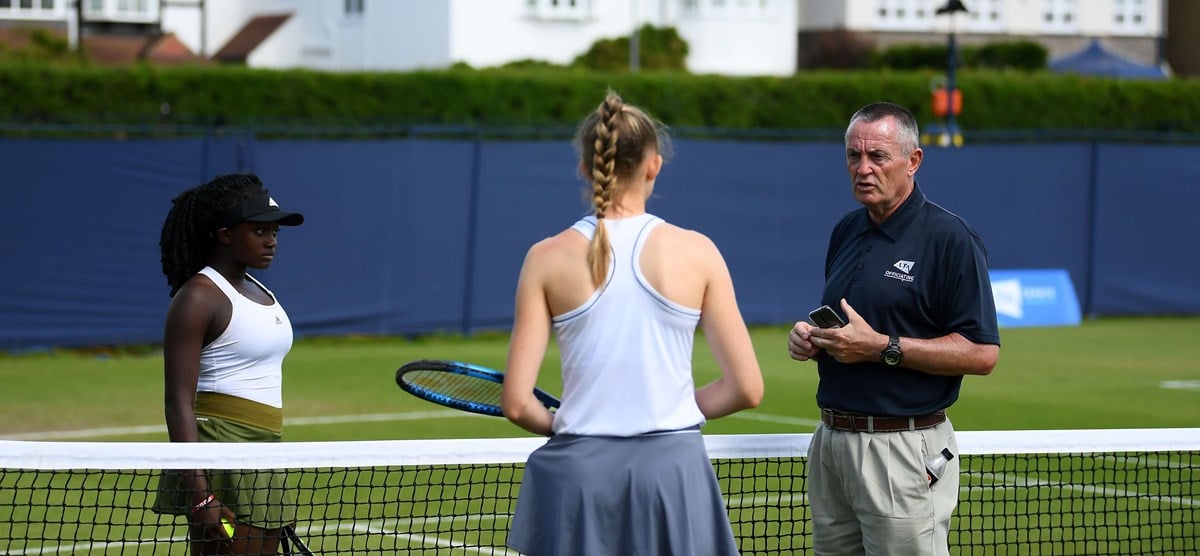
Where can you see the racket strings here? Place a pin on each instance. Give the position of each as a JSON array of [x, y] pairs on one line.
[[454, 386]]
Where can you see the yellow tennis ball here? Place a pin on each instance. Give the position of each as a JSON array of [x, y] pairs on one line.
[[228, 526]]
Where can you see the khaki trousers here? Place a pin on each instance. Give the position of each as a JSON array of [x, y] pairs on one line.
[[870, 494]]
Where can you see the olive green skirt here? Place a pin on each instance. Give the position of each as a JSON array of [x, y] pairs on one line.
[[259, 497]]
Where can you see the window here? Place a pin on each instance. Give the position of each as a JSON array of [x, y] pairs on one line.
[[1059, 16], [721, 9], [906, 14], [559, 9], [133, 6], [354, 7], [28, 9], [1129, 15], [986, 15]]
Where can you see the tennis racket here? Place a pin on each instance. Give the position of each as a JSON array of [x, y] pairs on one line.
[[460, 385], [292, 543]]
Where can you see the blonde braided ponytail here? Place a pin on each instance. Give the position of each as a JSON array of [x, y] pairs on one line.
[[604, 179]]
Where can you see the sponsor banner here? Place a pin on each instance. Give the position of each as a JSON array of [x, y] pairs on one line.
[[1043, 297]]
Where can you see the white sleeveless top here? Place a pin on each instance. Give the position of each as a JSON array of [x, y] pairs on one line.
[[246, 360], [627, 351]]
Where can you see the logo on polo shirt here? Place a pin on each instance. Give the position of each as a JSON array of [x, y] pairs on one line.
[[905, 267]]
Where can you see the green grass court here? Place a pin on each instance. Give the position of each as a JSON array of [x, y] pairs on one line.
[[1105, 374], [1108, 373]]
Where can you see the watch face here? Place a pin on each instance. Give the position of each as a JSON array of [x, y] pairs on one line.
[[892, 355]]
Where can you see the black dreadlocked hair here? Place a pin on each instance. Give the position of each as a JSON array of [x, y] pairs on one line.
[[187, 240]]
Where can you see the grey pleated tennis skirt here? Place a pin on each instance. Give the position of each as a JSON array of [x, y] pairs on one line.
[[651, 495]]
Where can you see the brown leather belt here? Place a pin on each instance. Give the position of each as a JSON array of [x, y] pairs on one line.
[[867, 423]]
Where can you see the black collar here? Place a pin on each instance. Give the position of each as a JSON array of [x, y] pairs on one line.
[[899, 221]]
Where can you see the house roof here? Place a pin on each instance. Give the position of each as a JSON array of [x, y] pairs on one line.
[[1099, 61], [111, 49], [251, 35], [168, 49], [125, 49]]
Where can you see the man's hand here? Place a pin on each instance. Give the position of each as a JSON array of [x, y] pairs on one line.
[[799, 345], [853, 343]]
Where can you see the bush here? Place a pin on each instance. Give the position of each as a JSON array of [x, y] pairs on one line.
[[531, 64], [911, 57], [811, 100], [1020, 55], [836, 49], [39, 46], [659, 49]]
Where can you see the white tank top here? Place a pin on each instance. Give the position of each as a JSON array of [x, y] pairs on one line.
[[627, 351], [246, 360]]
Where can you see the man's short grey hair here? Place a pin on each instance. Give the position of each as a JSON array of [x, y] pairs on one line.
[[909, 136]]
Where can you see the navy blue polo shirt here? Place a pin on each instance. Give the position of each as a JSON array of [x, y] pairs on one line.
[[923, 273]]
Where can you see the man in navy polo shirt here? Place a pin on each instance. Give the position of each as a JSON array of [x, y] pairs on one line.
[[911, 281]]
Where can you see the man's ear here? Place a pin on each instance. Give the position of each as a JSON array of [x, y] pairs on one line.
[[914, 161]]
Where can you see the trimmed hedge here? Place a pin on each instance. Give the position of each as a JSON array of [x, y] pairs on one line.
[[1020, 55], [992, 100]]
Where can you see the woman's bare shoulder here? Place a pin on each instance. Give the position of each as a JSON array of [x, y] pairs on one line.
[[671, 236], [199, 299], [198, 288], [565, 244]]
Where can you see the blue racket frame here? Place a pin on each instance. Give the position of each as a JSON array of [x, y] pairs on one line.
[[466, 370]]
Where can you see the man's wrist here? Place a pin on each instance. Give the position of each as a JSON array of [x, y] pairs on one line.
[[891, 355]]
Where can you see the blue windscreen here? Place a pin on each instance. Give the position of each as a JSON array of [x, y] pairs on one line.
[[419, 235]]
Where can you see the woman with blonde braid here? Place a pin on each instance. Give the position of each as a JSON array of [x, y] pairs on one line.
[[625, 470]]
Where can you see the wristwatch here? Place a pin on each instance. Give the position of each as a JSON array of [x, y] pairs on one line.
[[891, 355]]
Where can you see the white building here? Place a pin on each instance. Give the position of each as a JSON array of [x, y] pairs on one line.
[[1131, 27], [732, 37], [736, 37]]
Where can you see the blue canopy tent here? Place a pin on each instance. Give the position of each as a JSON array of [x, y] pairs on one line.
[[1099, 61]]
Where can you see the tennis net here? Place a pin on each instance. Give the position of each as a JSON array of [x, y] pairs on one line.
[[1118, 492]]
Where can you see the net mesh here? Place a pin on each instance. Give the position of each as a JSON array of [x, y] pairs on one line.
[[1115, 492]]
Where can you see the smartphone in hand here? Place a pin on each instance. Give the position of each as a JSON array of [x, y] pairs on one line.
[[825, 317]]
